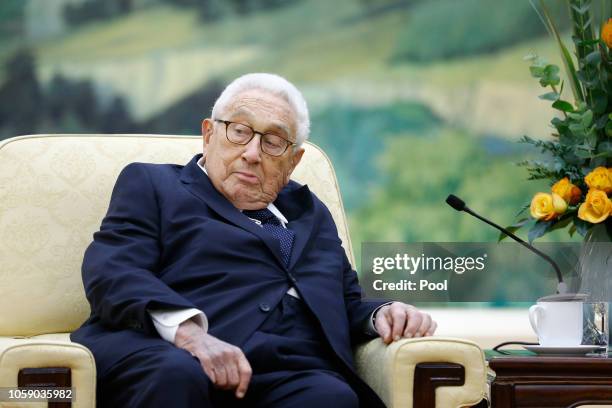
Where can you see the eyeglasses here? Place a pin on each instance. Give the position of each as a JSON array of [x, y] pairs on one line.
[[271, 144]]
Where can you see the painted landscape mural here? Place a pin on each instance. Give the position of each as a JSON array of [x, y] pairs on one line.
[[411, 99]]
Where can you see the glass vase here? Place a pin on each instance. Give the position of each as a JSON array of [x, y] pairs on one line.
[[595, 265]]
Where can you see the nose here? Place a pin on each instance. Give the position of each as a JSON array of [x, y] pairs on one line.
[[252, 150]]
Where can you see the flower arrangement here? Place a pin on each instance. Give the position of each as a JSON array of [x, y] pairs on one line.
[[579, 156]]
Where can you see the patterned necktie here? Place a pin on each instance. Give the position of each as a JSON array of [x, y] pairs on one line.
[[270, 223]]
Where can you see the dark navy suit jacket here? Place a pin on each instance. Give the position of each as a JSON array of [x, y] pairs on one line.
[[171, 240]]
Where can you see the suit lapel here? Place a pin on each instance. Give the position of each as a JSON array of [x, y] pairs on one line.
[[297, 206], [198, 183]]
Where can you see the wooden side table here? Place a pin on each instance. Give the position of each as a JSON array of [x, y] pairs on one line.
[[546, 382]]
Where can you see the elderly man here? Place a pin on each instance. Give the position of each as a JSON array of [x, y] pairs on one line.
[[222, 282]]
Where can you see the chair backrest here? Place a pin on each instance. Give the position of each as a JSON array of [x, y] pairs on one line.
[[54, 192]]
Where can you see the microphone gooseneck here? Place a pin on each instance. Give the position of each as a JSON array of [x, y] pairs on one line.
[[459, 205]]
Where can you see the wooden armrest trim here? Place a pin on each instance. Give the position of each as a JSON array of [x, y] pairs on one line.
[[429, 376], [46, 377]]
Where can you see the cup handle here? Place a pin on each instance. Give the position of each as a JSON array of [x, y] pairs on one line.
[[535, 312]]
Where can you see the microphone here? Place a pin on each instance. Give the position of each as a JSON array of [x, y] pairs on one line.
[[459, 205]]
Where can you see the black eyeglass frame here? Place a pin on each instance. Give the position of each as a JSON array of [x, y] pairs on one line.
[[229, 122]]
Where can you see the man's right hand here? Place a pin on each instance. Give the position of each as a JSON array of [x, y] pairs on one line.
[[223, 363]]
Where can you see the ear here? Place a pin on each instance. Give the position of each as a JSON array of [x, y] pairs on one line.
[[296, 157], [207, 130]]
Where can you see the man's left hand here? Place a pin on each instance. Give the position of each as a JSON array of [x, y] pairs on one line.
[[398, 320]]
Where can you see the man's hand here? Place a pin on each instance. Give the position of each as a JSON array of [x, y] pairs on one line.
[[399, 320], [223, 363]]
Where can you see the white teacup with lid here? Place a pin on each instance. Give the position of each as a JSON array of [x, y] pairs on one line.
[[557, 320]]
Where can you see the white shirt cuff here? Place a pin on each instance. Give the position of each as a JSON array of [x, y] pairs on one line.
[[167, 321], [371, 329]]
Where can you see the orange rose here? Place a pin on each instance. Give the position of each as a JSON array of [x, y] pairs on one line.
[[596, 207], [599, 179], [606, 33], [569, 192], [546, 207]]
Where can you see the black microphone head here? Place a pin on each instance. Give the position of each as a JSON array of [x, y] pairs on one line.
[[455, 202]]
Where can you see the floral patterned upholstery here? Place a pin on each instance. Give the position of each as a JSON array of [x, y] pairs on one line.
[[54, 191]]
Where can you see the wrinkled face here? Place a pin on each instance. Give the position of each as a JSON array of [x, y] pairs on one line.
[[249, 178]]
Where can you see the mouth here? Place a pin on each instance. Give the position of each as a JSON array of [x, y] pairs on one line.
[[247, 177]]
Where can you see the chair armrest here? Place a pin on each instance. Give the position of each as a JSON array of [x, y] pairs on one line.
[[22, 353], [390, 370]]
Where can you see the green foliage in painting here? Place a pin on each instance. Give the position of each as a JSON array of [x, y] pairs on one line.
[[442, 29], [353, 136], [409, 205]]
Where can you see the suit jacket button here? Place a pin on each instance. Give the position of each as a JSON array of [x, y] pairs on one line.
[[264, 307]]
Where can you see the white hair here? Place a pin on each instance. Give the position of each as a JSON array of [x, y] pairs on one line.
[[274, 84]]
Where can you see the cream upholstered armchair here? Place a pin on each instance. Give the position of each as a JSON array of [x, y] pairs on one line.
[[54, 192]]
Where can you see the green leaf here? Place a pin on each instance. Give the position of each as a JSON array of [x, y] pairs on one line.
[[539, 228], [602, 155], [550, 76], [563, 106], [583, 154], [582, 226], [598, 161], [577, 129], [551, 69], [593, 58], [605, 147], [585, 43], [581, 75], [609, 129], [550, 96], [530, 57], [587, 119], [536, 72], [523, 208], [558, 123], [562, 222], [572, 230], [600, 101], [604, 150], [601, 122], [513, 228], [570, 70], [581, 10], [591, 140]]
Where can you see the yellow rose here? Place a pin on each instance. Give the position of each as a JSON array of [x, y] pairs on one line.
[[600, 179], [546, 206], [596, 207], [606, 33], [569, 192]]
